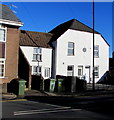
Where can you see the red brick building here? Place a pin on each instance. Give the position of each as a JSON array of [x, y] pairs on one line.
[[9, 46]]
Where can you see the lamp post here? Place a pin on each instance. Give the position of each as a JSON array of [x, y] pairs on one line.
[[93, 83]]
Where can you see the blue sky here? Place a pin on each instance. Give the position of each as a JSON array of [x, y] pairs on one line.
[[44, 16]]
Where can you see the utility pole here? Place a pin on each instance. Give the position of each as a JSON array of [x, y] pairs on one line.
[[93, 83]]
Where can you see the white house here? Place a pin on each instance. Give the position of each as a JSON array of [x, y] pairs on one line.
[[67, 50], [37, 52], [73, 51]]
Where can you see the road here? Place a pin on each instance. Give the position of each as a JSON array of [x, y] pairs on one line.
[[59, 107]]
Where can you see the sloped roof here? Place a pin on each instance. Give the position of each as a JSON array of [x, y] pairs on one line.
[[35, 39], [7, 13], [72, 24]]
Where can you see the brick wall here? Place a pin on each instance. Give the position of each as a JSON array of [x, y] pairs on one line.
[[12, 49]]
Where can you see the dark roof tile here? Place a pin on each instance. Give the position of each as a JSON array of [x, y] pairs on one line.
[[35, 39], [8, 14], [72, 24]]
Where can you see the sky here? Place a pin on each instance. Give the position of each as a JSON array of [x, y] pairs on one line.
[[44, 16]]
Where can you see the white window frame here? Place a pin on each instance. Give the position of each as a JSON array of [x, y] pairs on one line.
[[96, 51], [70, 71], [3, 41], [96, 70], [47, 72], [71, 48], [3, 68], [4, 33], [38, 54], [80, 68], [37, 72]]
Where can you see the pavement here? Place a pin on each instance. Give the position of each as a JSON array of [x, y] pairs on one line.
[[11, 96], [8, 96]]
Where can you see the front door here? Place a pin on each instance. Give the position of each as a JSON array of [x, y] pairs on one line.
[[87, 74]]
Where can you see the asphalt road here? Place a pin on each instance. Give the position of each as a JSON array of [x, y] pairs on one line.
[[100, 108]]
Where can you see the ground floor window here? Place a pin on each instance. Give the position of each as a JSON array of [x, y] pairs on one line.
[[96, 71], [2, 68], [47, 72], [80, 70], [37, 70], [70, 70], [2, 50]]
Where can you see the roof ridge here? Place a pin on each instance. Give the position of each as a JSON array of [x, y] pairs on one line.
[[36, 32], [3, 4], [85, 25]]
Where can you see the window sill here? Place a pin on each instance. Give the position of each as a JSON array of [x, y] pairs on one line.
[[96, 57], [70, 55], [36, 61], [96, 76], [2, 77]]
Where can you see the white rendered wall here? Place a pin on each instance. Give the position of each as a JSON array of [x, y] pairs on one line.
[[46, 58], [81, 40]]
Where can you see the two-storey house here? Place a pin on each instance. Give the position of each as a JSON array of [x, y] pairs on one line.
[[9, 45], [73, 51]]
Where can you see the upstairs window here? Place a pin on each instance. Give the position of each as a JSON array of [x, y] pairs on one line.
[[2, 43], [70, 70], [2, 35], [37, 54], [96, 71], [70, 48], [96, 51]]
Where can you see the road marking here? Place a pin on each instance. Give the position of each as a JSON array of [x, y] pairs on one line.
[[13, 100], [45, 111], [41, 110]]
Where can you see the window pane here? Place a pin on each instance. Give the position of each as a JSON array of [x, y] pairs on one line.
[[70, 45], [47, 72], [39, 50], [96, 73], [96, 47], [70, 52], [1, 70], [69, 73], [39, 57], [70, 48], [2, 50], [2, 35], [96, 68], [37, 54], [35, 51], [96, 53], [34, 57], [70, 68], [34, 69], [79, 72]]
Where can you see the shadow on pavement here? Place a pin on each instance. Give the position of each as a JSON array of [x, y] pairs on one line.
[[97, 104]]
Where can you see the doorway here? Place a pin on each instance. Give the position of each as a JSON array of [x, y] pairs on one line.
[[87, 74]]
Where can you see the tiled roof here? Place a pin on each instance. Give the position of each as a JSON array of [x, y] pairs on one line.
[[35, 39], [72, 24], [8, 14]]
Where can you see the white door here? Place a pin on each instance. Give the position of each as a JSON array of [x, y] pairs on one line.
[[87, 74]]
